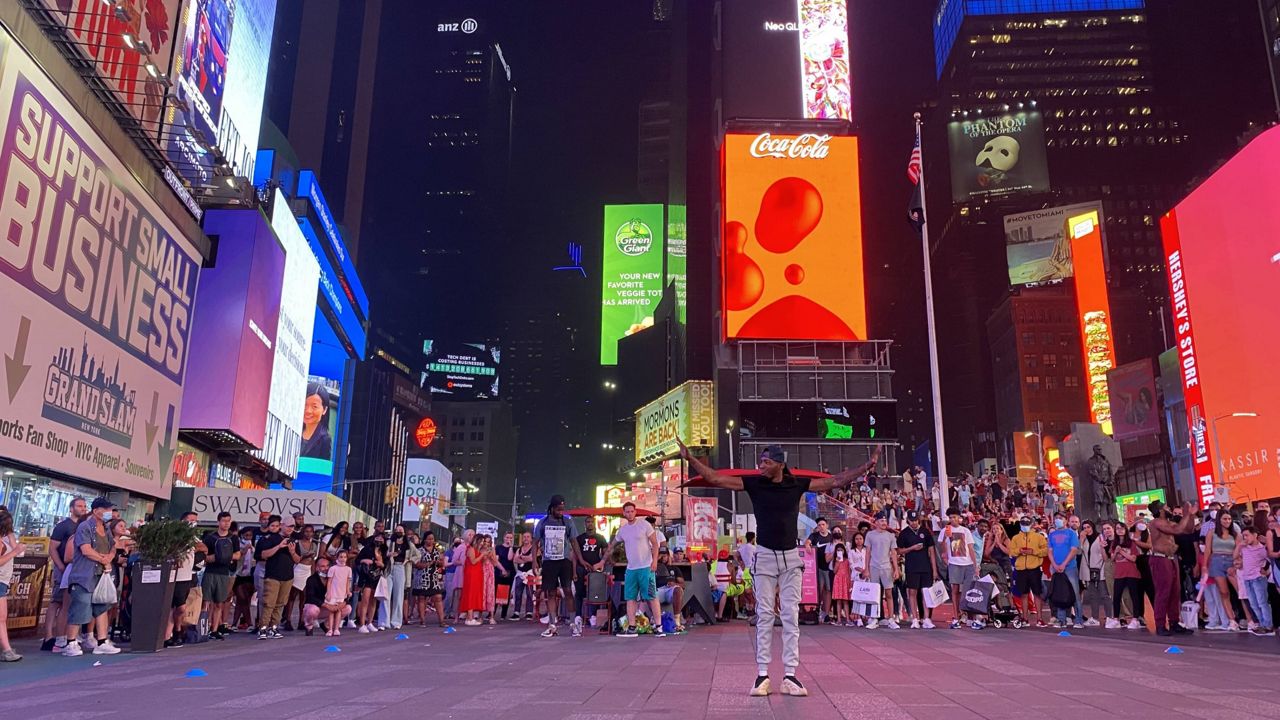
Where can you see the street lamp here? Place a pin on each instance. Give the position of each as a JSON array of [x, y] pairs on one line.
[[1217, 445], [733, 496], [1039, 433]]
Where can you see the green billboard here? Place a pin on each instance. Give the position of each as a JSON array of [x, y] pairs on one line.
[[677, 263], [631, 279]]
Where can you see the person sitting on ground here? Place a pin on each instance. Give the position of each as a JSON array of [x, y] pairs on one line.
[[313, 595]]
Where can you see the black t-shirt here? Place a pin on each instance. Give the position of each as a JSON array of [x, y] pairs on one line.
[[777, 509], [62, 532], [591, 546], [820, 545], [504, 559], [314, 591], [224, 545], [917, 560], [279, 566]]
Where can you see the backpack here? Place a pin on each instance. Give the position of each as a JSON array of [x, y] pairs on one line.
[[223, 549], [1061, 594]]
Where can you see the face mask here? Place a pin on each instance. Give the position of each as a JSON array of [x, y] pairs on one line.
[[840, 555], [1142, 526], [192, 523], [324, 574], [1025, 527], [106, 515], [1059, 523]]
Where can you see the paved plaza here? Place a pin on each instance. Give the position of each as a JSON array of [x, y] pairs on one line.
[[499, 671]]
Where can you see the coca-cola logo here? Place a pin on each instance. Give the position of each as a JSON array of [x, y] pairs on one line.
[[808, 145]]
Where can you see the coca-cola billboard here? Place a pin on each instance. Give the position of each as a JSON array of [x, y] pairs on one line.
[[809, 145]]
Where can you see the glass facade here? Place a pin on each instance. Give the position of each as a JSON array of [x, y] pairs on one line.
[[39, 502]]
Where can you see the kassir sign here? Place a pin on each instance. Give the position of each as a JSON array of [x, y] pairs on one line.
[[806, 146]]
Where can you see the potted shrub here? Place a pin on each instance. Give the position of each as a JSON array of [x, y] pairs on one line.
[[161, 545]]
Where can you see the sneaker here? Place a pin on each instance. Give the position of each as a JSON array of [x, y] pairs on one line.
[[549, 632], [275, 633], [11, 656], [1179, 630], [288, 626], [528, 616], [927, 624], [47, 645], [873, 624], [1134, 625], [1214, 627], [224, 630], [363, 630], [310, 631], [106, 648], [1112, 624], [915, 624], [263, 634], [382, 628], [1091, 623], [72, 650], [1041, 624], [657, 632], [336, 632], [1079, 625], [1234, 626], [791, 686], [1261, 631], [860, 622], [893, 625], [469, 623], [351, 625], [761, 688], [977, 625], [955, 624], [630, 632], [577, 626], [88, 642]]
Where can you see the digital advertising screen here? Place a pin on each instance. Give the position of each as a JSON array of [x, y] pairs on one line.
[[1093, 303], [293, 341], [1038, 243], [1135, 406], [242, 98], [792, 265], [631, 273], [462, 371], [233, 335], [998, 155], [1222, 246], [677, 256], [821, 420], [319, 426], [97, 313]]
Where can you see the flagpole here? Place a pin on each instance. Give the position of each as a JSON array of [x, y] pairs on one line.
[[940, 449]]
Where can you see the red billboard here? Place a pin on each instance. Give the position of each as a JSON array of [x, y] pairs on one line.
[[1094, 305], [1222, 248], [791, 260]]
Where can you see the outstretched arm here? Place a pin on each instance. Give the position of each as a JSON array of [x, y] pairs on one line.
[[727, 482], [844, 479]]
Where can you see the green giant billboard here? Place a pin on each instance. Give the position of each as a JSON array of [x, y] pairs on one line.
[[677, 265], [631, 280]]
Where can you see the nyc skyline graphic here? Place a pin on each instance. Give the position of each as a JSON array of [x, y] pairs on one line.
[[79, 393]]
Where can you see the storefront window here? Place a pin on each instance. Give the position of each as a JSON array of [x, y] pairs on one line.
[[38, 503]]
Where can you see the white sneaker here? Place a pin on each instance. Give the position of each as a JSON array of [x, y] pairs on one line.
[[1234, 626], [1113, 624], [1134, 625], [927, 624], [915, 624], [1213, 627], [88, 642], [873, 624], [363, 630], [380, 628], [1091, 623], [106, 648], [72, 650], [893, 625], [351, 624]]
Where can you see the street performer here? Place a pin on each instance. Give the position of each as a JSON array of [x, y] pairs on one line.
[[1165, 574], [775, 496]]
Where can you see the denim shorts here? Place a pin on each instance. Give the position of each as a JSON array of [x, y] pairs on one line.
[[1219, 564], [83, 608], [4, 590]]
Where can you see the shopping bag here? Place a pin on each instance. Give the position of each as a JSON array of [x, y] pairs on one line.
[[866, 610], [995, 589], [976, 599], [1190, 615], [935, 595], [105, 592], [195, 602], [383, 590], [865, 592], [501, 594]]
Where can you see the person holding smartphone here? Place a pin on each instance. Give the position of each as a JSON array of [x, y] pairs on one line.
[[279, 556]]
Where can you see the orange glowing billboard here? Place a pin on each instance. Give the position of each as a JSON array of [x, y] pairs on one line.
[[791, 258], [1094, 305]]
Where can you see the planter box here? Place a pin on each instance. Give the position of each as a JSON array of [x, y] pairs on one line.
[[151, 595]]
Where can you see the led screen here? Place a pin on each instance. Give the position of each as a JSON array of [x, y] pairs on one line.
[[1223, 254], [833, 421], [997, 155], [1038, 244], [791, 260], [462, 371], [631, 274]]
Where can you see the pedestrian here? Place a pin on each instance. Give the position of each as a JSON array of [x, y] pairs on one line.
[[92, 556], [506, 558], [10, 548], [920, 568], [775, 495], [478, 581], [959, 552], [308, 550], [61, 549], [1093, 573], [455, 562], [640, 542], [428, 579], [219, 573], [1252, 568], [821, 541], [554, 535], [242, 617], [371, 565], [337, 593], [313, 596], [398, 554], [1029, 549], [1124, 554], [1164, 565], [278, 554], [995, 555], [1064, 547], [523, 593], [591, 548], [883, 568], [670, 585], [1219, 562], [842, 584]]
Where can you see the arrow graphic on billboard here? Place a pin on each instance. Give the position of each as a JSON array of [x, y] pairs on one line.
[[15, 367], [151, 421]]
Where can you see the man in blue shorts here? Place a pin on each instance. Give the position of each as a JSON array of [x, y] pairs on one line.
[[641, 543]]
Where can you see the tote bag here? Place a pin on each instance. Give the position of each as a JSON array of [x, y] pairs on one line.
[[935, 595], [865, 592]]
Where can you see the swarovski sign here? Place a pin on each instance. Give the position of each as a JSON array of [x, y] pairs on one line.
[[808, 145]]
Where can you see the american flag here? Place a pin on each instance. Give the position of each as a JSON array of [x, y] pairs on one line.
[[913, 166]]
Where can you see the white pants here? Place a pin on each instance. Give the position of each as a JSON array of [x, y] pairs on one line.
[[778, 572], [397, 594]]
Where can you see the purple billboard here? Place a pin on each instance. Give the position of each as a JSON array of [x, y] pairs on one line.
[[233, 337]]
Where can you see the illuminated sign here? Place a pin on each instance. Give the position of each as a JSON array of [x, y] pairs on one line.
[[791, 264], [348, 279], [428, 489], [1038, 244], [1223, 261], [342, 313], [824, 59], [1094, 306], [462, 370], [677, 257], [466, 27], [1128, 506], [425, 433], [631, 274], [686, 413], [701, 528], [997, 155]]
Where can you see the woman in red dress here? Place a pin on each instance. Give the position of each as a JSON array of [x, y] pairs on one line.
[[477, 579]]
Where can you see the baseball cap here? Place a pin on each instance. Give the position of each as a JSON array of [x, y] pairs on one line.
[[774, 453], [101, 503], [555, 500], [1155, 507], [913, 515]]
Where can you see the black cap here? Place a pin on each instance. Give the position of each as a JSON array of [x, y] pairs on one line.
[[101, 503], [555, 500], [774, 453], [1154, 507], [913, 515]]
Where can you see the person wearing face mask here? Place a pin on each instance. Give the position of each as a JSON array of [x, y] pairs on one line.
[[399, 557], [1064, 547], [1028, 548], [313, 594], [841, 584], [92, 557], [1092, 580], [242, 616], [1124, 554]]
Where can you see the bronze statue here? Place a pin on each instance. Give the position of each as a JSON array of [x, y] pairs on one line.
[[1104, 489]]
